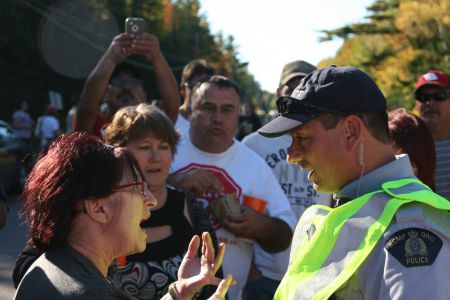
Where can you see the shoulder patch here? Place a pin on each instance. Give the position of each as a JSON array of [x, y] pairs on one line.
[[414, 247]]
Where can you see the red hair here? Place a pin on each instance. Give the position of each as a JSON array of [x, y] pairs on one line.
[[411, 135], [77, 166]]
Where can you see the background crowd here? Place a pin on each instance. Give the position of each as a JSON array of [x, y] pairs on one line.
[[190, 151]]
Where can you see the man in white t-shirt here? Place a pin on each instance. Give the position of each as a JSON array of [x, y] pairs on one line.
[[48, 126], [269, 269], [210, 145], [193, 72], [22, 122]]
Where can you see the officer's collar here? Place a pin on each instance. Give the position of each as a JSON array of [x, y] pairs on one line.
[[399, 168]]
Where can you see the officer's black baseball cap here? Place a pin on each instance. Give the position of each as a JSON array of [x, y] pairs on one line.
[[339, 90]]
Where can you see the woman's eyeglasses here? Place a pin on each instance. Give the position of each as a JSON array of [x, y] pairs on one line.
[[436, 96], [139, 187]]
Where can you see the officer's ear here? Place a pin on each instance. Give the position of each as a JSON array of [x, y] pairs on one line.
[[353, 130]]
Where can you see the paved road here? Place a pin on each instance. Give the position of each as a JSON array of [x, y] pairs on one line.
[[12, 240]]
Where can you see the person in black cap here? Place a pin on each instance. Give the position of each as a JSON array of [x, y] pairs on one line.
[[388, 236], [268, 269]]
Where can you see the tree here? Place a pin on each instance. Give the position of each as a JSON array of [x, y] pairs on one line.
[[400, 41], [184, 34]]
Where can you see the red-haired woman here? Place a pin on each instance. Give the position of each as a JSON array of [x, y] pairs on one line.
[[84, 203], [410, 135]]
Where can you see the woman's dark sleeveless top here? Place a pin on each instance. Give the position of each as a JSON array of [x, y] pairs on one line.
[[147, 275]]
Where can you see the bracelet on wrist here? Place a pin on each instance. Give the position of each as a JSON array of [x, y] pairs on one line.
[[173, 292]]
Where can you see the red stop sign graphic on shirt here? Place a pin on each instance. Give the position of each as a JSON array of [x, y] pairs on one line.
[[229, 185]]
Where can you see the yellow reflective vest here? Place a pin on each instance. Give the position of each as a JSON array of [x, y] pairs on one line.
[[333, 243]]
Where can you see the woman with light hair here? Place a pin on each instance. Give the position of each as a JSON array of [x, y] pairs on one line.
[[149, 134]]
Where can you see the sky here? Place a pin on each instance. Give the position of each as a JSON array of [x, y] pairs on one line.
[[270, 34]]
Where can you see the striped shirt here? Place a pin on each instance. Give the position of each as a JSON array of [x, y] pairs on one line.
[[442, 178]]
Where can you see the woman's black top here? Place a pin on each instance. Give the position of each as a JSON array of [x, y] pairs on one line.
[[170, 214], [147, 275]]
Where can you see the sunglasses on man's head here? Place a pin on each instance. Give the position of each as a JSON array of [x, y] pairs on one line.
[[289, 105], [436, 96]]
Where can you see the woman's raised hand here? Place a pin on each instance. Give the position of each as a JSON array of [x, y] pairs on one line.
[[194, 272]]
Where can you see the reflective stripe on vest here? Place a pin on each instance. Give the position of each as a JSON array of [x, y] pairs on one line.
[[346, 237]]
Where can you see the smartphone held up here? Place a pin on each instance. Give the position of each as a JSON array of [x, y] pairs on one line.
[[134, 26]]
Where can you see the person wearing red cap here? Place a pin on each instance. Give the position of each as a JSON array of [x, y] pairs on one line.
[[433, 102]]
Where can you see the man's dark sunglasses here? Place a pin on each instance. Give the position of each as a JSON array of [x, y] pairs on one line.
[[289, 105], [436, 96]]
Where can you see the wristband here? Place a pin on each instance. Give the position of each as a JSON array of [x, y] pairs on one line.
[[173, 291]]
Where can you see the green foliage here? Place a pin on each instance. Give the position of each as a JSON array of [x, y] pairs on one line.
[[399, 41], [380, 21], [23, 73], [268, 101], [184, 34]]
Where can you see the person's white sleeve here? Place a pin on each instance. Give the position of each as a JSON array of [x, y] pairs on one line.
[[278, 205]]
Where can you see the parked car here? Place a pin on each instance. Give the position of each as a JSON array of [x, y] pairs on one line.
[[12, 150]]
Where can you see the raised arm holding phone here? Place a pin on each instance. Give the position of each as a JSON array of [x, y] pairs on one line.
[[121, 85]]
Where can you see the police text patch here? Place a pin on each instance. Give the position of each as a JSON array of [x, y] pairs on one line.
[[414, 247]]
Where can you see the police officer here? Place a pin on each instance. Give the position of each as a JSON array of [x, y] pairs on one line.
[[389, 234]]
